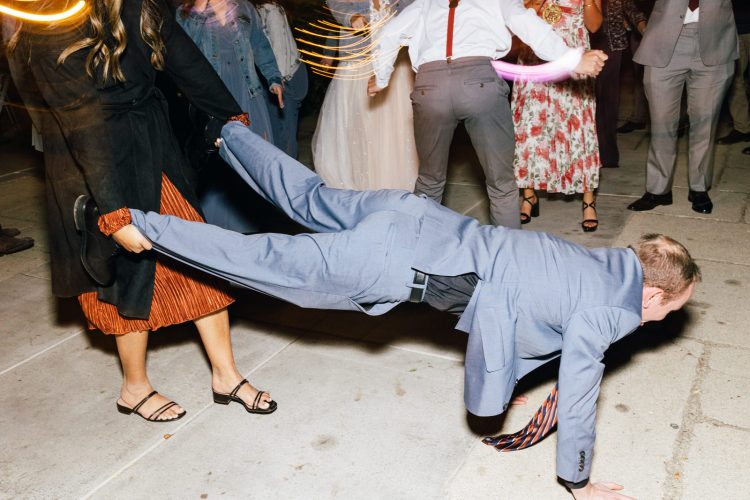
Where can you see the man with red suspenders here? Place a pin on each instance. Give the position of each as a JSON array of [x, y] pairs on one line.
[[451, 44]]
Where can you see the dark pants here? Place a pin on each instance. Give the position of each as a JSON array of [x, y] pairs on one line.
[[607, 106], [466, 90]]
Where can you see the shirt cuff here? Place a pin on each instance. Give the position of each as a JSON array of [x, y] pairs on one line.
[[114, 221], [575, 486]]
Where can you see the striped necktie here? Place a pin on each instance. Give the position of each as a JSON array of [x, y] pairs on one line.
[[541, 424]]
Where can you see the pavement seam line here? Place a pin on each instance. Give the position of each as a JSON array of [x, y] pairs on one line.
[[33, 356], [195, 414], [674, 483], [475, 205]]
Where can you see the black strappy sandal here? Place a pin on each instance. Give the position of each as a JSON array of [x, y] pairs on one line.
[[154, 417], [526, 218], [593, 223], [225, 399]]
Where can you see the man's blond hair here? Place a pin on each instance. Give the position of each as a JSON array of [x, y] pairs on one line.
[[666, 264]]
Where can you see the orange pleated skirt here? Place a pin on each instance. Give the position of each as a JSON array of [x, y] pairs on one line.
[[180, 294]]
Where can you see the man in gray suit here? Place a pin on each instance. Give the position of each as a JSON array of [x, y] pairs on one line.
[[691, 45], [523, 297]]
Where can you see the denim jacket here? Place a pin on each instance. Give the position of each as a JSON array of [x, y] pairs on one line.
[[251, 45]]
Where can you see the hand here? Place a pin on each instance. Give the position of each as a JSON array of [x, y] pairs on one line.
[[327, 61], [591, 64], [358, 22], [279, 91], [372, 87], [131, 239], [519, 400], [641, 27], [600, 491]]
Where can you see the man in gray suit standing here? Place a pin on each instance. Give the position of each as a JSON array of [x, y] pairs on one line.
[[694, 45], [524, 298]]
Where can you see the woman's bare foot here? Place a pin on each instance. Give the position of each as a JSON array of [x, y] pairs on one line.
[[131, 395]]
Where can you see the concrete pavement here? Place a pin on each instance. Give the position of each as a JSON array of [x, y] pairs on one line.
[[372, 408]]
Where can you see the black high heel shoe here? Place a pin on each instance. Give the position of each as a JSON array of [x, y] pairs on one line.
[[526, 218], [589, 225], [225, 399]]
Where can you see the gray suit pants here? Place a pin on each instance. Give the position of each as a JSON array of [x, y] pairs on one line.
[[468, 90], [706, 87]]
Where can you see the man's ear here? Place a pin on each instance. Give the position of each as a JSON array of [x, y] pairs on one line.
[[652, 296]]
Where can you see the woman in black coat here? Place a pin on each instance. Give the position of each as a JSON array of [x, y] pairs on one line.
[[90, 86]]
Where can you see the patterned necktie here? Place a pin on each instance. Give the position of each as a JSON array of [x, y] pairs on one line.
[[693, 4], [541, 424]]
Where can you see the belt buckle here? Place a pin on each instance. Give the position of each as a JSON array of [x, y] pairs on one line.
[[418, 287]]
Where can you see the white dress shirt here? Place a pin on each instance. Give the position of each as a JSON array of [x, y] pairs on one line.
[[276, 27], [692, 16], [481, 28]]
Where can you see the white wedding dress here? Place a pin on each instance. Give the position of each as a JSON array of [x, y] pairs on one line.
[[366, 142]]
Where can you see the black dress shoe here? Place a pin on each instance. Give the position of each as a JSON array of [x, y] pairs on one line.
[[650, 201], [629, 126], [701, 202], [746, 151], [97, 250], [733, 137]]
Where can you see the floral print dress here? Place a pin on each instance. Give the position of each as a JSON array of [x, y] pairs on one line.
[[556, 145]]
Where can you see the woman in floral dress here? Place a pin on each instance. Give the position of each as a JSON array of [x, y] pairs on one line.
[[556, 145]]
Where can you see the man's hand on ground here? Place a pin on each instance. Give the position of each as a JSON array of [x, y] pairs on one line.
[[600, 491], [131, 239]]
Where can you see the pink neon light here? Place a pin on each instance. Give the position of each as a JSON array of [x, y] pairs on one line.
[[553, 71]]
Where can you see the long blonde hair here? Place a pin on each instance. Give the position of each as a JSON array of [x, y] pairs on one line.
[[104, 16]]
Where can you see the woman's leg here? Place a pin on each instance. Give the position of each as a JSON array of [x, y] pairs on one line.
[[590, 219], [529, 205], [135, 384], [214, 332]]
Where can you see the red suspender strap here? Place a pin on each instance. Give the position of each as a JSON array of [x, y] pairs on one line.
[[449, 40]]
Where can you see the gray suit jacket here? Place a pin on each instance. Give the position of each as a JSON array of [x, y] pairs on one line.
[[538, 297], [718, 33]]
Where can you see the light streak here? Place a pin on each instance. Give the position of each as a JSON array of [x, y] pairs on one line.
[[553, 71], [353, 48], [43, 18]]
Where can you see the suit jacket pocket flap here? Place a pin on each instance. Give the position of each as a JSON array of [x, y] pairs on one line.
[[498, 335]]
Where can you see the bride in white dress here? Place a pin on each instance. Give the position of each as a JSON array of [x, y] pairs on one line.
[[366, 142]]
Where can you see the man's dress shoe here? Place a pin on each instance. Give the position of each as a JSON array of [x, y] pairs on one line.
[[650, 201], [701, 202], [733, 137], [746, 151], [629, 126], [97, 250]]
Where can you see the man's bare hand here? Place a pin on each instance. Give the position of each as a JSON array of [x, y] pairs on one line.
[[131, 239], [519, 400], [600, 491], [372, 87], [591, 64]]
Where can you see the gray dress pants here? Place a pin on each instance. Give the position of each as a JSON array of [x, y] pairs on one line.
[[466, 90], [706, 87]]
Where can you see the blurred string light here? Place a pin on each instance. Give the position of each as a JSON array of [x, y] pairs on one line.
[[352, 46], [43, 18]]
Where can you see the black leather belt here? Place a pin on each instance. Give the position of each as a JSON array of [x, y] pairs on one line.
[[418, 287]]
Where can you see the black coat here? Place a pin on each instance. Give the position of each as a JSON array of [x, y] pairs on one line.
[[111, 140]]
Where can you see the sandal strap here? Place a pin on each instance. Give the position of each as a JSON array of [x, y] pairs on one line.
[[587, 205], [528, 200], [155, 415], [258, 400], [239, 386], [136, 407]]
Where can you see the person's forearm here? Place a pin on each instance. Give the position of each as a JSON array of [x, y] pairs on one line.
[[592, 15]]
